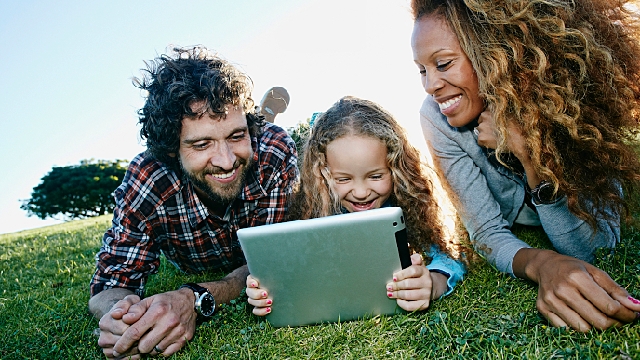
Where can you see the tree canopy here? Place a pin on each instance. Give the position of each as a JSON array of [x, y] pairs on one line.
[[78, 191]]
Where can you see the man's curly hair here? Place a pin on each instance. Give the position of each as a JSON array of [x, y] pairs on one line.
[[176, 83], [568, 74]]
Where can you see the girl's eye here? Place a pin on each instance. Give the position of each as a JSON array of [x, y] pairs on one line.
[[443, 66], [423, 71], [341, 180], [376, 176]]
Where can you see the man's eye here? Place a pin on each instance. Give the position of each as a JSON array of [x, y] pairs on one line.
[[199, 146], [443, 66], [238, 136]]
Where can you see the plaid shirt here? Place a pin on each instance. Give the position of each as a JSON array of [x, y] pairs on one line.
[[158, 211]]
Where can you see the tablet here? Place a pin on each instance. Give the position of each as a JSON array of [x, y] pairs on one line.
[[328, 269]]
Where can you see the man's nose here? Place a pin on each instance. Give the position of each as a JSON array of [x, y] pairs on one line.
[[223, 157]]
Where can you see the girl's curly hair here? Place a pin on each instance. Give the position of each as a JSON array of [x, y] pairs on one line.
[[176, 83], [568, 74], [412, 188]]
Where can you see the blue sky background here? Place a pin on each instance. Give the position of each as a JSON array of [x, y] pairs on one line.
[[66, 69]]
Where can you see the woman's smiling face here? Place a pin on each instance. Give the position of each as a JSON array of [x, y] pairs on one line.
[[445, 70]]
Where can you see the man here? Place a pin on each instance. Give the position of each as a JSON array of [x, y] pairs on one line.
[[212, 166]]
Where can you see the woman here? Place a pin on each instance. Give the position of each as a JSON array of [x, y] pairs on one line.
[[531, 107]]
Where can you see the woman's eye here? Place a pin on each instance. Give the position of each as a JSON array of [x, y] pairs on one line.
[[443, 66]]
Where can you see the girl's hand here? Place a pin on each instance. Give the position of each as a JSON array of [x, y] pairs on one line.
[[258, 297], [412, 287], [574, 293]]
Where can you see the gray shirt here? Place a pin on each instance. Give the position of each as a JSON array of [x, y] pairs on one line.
[[489, 198]]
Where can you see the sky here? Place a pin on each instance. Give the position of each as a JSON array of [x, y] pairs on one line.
[[66, 72]]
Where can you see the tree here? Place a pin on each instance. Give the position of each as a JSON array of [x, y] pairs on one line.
[[78, 191], [299, 134]]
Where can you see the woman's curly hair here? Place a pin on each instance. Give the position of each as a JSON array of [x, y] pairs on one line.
[[412, 188], [568, 74], [176, 83]]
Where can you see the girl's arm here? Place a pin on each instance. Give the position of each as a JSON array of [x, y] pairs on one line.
[[452, 270]]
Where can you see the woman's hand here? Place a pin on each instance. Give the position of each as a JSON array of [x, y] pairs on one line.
[[415, 287], [487, 133], [488, 136], [258, 297], [575, 293]]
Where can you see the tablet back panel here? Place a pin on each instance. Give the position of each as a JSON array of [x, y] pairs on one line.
[[328, 269]]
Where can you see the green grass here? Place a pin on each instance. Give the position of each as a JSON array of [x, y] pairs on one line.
[[44, 276]]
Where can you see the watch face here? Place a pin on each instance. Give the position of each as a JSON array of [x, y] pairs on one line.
[[545, 193], [207, 304]]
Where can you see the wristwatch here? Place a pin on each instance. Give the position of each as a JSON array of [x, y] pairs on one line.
[[543, 193], [205, 304]]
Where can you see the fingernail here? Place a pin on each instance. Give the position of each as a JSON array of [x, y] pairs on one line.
[[268, 301], [389, 287], [264, 294], [268, 310], [389, 294], [395, 278], [633, 300], [253, 284], [115, 353]]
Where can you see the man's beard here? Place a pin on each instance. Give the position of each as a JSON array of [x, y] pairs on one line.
[[223, 193]]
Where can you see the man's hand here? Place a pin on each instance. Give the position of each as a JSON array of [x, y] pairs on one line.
[[575, 293], [164, 321], [112, 326]]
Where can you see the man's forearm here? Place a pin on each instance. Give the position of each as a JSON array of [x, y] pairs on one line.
[[102, 302], [230, 286]]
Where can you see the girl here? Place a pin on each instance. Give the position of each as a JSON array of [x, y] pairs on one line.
[[358, 158], [531, 107]]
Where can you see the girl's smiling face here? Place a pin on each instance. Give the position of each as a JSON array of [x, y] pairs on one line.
[[358, 165], [445, 70]]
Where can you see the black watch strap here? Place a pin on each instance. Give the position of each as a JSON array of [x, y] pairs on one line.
[[204, 304], [195, 287]]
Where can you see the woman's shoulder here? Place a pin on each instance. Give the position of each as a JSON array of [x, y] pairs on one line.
[[434, 124]]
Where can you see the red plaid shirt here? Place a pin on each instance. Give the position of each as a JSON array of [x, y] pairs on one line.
[[157, 211]]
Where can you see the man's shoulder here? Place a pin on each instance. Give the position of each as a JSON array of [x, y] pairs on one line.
[[148, 180], [276, 147], [276, 158], [274, 137]]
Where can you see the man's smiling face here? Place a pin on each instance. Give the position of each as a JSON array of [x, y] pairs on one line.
[[215, 154]]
